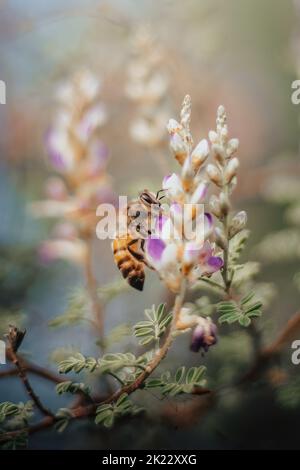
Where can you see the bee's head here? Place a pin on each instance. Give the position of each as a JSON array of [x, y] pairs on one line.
[[148, 198]]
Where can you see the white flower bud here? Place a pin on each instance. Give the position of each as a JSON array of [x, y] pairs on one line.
[[224, 203], [187, 174], [213, 137], [224, 133], [179, 148], [214, 205], [238, 223], [200, 154], [219, 153], [221, 111], [173, 126], [231, 169], [214, 174], [232, 147]]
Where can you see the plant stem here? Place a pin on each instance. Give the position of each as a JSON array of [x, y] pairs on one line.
[[27, 385], [227, 281], [116, 377], [92, 290]]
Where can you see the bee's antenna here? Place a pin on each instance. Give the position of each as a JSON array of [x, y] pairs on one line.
[[158, 193]]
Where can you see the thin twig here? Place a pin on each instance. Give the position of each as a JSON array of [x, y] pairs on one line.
[[32, 368], [23, 376]]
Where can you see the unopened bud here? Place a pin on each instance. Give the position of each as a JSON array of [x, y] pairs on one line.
[[214, 174], [200, 154], [214, 205], [173, 126], [219, 153], [220, 238], [224, 133], [187, 174], [224, 203], [232, 147], [233, 184], [179, 148], [221, 111], [231, 169], [238, 223], [213, 137]]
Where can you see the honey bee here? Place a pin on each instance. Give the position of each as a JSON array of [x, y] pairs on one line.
[[128, 250]]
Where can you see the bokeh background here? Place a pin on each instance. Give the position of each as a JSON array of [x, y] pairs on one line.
[[243, 54]]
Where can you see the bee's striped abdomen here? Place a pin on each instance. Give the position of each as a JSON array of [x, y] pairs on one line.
[[131, 268]]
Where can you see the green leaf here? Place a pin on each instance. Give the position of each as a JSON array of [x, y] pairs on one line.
[[155, 325], [122, 399], [110, 291], [114, 362], [8, 409], [63, 416], [107, 413], [244, 321], [76, 312], [77, 363], [16, 414], [231, 312], [72, 387], [19, 441], [180, 374], [247, 298], [183, 381], [237, 245], [256, 306]]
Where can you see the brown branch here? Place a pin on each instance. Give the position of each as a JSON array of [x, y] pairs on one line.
[[23, 376], [32, 368]]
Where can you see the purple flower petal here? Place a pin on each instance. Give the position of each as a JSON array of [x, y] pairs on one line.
[[197, 339], [200, 193], [208, 219], [166, 180], [56, 157], [155, 248], [159, 223], [214, 263], [204, 337]]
